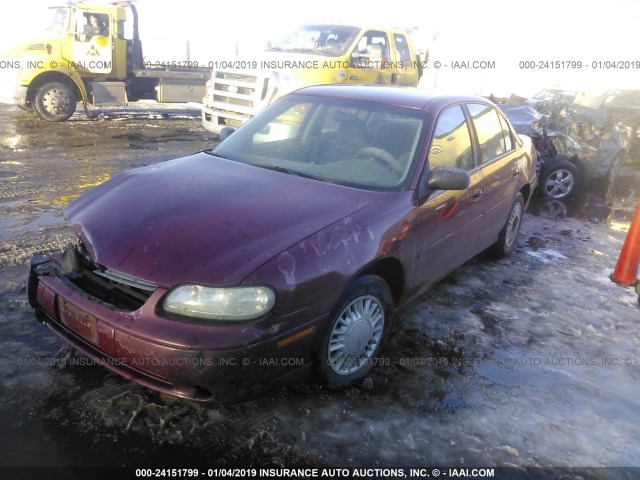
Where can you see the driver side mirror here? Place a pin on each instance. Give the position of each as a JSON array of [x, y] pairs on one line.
[[226, 133], [448, 178], [443, 178]]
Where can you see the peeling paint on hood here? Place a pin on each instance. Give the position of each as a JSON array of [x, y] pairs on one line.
[[204, 219]]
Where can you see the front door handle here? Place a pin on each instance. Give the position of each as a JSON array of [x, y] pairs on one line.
[[476, 195]]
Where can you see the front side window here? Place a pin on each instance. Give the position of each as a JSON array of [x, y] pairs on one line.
[[402, 46], [372, 50], [451, 143], [92, 25], [355, 143]]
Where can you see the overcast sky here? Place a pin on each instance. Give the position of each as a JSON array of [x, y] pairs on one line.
[[495, 30]]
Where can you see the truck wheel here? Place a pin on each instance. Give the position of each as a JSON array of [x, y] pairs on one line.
[[559, 179], [507, 239], [55, 102], [356, 333]]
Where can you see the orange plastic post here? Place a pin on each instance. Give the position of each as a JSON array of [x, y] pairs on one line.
[[626, 272]]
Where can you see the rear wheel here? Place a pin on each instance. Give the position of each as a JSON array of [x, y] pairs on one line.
[[509, 233], [356, 333], [55, 102]]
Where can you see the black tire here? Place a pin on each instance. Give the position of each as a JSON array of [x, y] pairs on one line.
[[559, 179], [55, 102], [368, 300], [509, 233]]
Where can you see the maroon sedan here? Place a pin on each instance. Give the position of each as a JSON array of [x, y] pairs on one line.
[[287, 249]]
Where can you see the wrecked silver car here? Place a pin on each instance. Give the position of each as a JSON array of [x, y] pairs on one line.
[[577, 146]]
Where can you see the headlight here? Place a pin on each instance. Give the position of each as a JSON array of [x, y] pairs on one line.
[[231, 303]]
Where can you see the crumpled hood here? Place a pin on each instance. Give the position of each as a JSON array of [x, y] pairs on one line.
[[204, 219]]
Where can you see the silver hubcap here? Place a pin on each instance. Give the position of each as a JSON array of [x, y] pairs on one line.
[[514, 224], [559, 184], [355, 335], [56, 101]]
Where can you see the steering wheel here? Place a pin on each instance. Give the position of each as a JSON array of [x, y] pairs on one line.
[[382, 155]]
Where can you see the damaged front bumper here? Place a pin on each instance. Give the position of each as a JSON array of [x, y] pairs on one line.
[[209, 363]]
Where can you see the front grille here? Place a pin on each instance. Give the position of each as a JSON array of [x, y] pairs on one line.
[[110, 287], [239, 92], [124, 279]]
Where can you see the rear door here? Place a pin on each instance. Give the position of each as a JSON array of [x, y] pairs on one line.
[[448, 221], [497, 158], [406, 66]]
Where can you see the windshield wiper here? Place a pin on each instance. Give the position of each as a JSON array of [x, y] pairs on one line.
[[292, 172]]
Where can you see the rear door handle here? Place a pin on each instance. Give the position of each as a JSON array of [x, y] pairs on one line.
[[515, 172]]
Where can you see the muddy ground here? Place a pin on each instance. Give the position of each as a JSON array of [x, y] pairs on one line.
[[530, 361]]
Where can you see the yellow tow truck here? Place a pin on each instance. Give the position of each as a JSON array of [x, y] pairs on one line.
[[91, 53], [311, 55]]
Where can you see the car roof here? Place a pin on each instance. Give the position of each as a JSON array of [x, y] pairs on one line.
[[410, 97]]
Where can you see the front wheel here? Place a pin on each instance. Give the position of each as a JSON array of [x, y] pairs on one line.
[[507, 238], [559, 180], [55, 102], [356, 333]]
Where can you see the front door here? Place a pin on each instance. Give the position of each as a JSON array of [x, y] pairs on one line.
[[91, 44], [448, 221]]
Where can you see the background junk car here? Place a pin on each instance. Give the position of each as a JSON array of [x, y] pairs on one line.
[[581, 139], [298, 237]]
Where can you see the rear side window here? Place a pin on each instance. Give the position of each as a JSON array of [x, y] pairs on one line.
[[489, 130], [403, 47], [508, 138], [451, 142]]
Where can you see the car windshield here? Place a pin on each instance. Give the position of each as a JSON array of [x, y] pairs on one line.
[[555, 94], [361, 144], [328, 40], [58, 19]]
